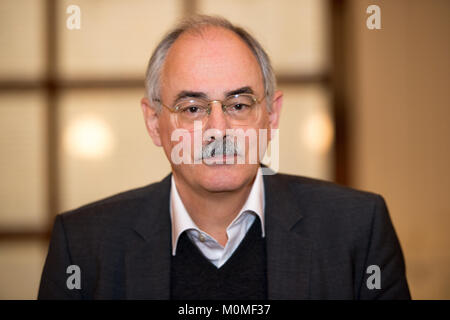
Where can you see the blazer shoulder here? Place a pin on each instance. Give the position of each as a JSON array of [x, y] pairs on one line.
[[335, 215], [330, 201], [324, 190], [120, 207]]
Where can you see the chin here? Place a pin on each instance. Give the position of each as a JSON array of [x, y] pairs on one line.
[[223, 177]]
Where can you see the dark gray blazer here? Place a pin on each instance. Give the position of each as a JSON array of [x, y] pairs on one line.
[[321, 238]]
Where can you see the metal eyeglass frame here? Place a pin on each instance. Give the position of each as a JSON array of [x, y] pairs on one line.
[[176, 109]]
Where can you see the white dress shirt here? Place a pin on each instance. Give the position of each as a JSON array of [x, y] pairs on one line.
[[236, 231]]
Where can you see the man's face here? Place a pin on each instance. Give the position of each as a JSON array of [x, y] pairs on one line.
[[213, 63]]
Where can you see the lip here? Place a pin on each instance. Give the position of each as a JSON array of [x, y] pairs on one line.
[[222, 159]]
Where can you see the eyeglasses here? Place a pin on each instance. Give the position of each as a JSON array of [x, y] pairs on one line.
[[240, 109]]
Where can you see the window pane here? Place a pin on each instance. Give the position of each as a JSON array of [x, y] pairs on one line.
[[21, 263], [105, 147], [306, 132], [23, 186], [22, 39], [116, 37], [294, 32]]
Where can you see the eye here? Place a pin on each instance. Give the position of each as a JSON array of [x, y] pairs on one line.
[[191, 109], [239, 106]]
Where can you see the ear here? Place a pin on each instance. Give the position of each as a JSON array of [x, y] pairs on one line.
[[274, 114], [151, 121]]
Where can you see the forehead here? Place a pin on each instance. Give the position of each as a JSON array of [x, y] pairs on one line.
[[211, 61]]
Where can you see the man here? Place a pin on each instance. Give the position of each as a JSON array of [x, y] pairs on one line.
[[217, 228]]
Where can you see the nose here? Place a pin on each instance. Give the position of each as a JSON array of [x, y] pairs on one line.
[[217, 118]]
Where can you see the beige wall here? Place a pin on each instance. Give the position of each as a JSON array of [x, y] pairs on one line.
[[398, 85]]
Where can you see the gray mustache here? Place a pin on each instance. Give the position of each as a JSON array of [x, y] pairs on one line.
[[226, 147]]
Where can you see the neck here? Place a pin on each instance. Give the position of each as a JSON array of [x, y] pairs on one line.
[[213, 212]]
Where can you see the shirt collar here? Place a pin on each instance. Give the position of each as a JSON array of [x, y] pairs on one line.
[[182, 221]]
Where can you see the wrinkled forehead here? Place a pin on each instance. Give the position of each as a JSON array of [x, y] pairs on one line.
[[214, 60]]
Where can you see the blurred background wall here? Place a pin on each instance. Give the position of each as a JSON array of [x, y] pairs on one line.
[[397, 97], [364, 108]]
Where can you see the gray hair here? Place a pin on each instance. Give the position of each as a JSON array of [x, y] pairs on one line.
[[198, 23]]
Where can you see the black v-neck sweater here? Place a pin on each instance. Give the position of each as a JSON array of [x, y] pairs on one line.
[[243, 276]]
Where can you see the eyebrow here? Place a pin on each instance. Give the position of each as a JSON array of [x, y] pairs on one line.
[[197, 94], [190, 94], [239, 91]]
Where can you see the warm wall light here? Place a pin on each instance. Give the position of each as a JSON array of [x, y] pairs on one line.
[[88, 137], [318, 132]]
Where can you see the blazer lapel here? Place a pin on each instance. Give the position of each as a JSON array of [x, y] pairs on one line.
[[148, 260], [288, 251]]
